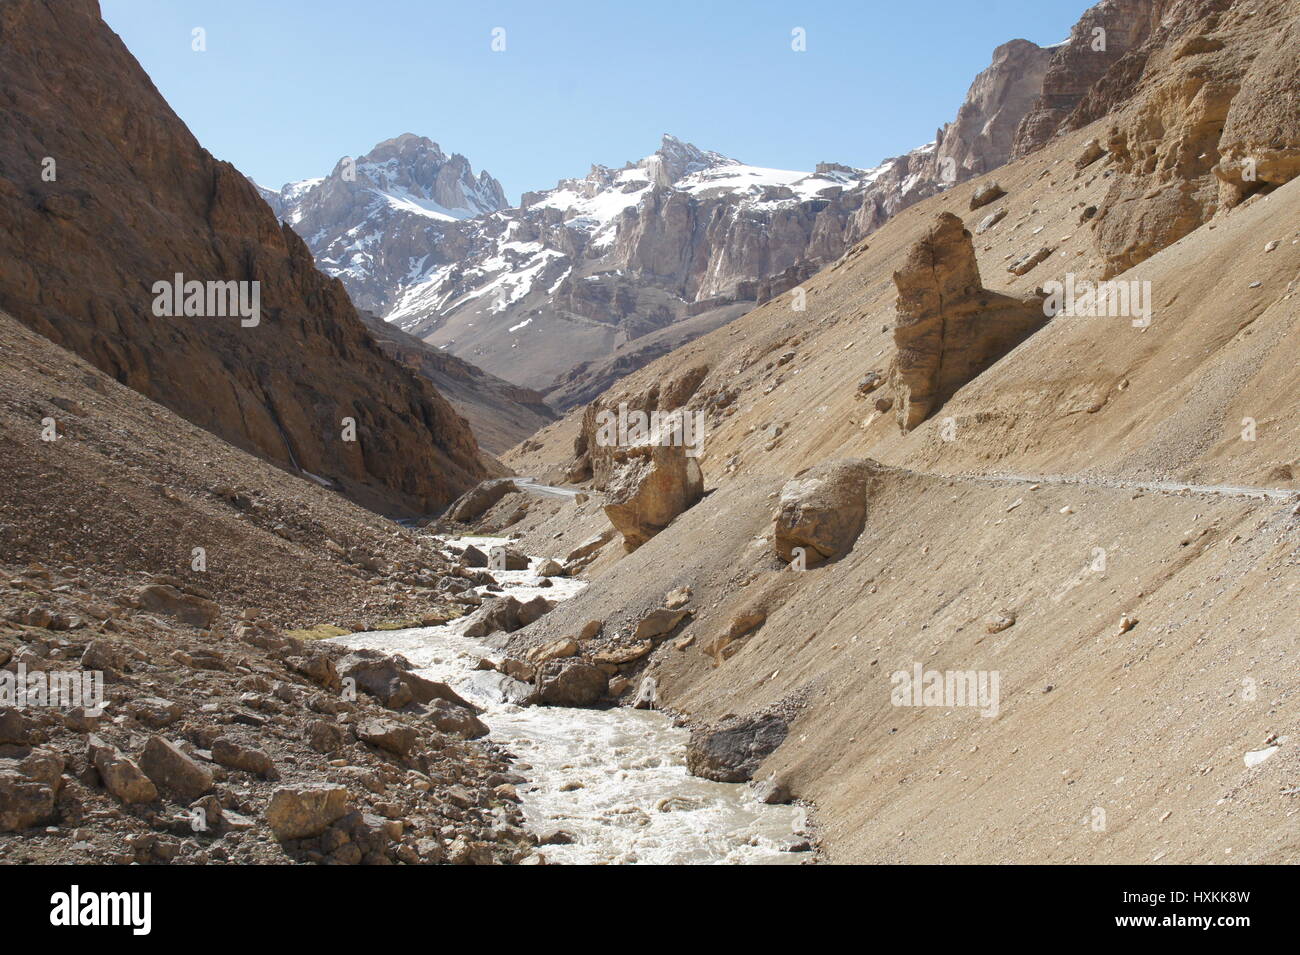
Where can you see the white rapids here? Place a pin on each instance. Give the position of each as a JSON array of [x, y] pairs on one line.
[[614, 779]]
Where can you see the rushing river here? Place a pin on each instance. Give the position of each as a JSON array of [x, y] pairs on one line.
[[615, 779]]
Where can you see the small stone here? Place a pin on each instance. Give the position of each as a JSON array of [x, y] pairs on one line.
[[388, 735], [227, 752], [997, 622], [120, 775], [170, 769], [678, 598]]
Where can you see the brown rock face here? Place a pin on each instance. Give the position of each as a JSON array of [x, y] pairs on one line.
[[650, 486], [1081, 61], [949, 327], [1260, 145], [104, 192], [980, 138], [1206, 113]]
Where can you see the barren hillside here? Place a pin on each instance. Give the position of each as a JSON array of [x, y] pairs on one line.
[[1108, 515]]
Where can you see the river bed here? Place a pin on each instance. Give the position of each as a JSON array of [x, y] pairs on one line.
[[614, 779]]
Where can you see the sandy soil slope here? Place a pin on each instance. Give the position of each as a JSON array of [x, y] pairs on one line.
[[1144, 729]]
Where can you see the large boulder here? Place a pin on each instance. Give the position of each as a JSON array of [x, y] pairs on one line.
[[187, 608], [659, 622], [534, 609], [823, 510], [389, 679], [732, 751], [948, 327], [983, 195], [505, 614], [457, 720], [235, 755], [429, 691], [497, 615], [589, 548], [569, 683], [550, 568], [396, 738], [649, 486], [475, 502], [16, 727]]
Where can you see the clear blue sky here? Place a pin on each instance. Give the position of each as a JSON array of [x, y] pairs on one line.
[[287, 87]]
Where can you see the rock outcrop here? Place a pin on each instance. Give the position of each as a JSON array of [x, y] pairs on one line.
[[980, 138], [1205, 114], [1103, 35], [949, 327], [105, 193], [651, 485], [642, 450], [1203, 106]]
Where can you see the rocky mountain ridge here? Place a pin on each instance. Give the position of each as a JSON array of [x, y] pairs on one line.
[[371, 220], [591, 279], [104, 194]]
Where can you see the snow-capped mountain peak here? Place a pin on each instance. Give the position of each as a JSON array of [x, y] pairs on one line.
[[367, 221], [579, 269], [675, 159]]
